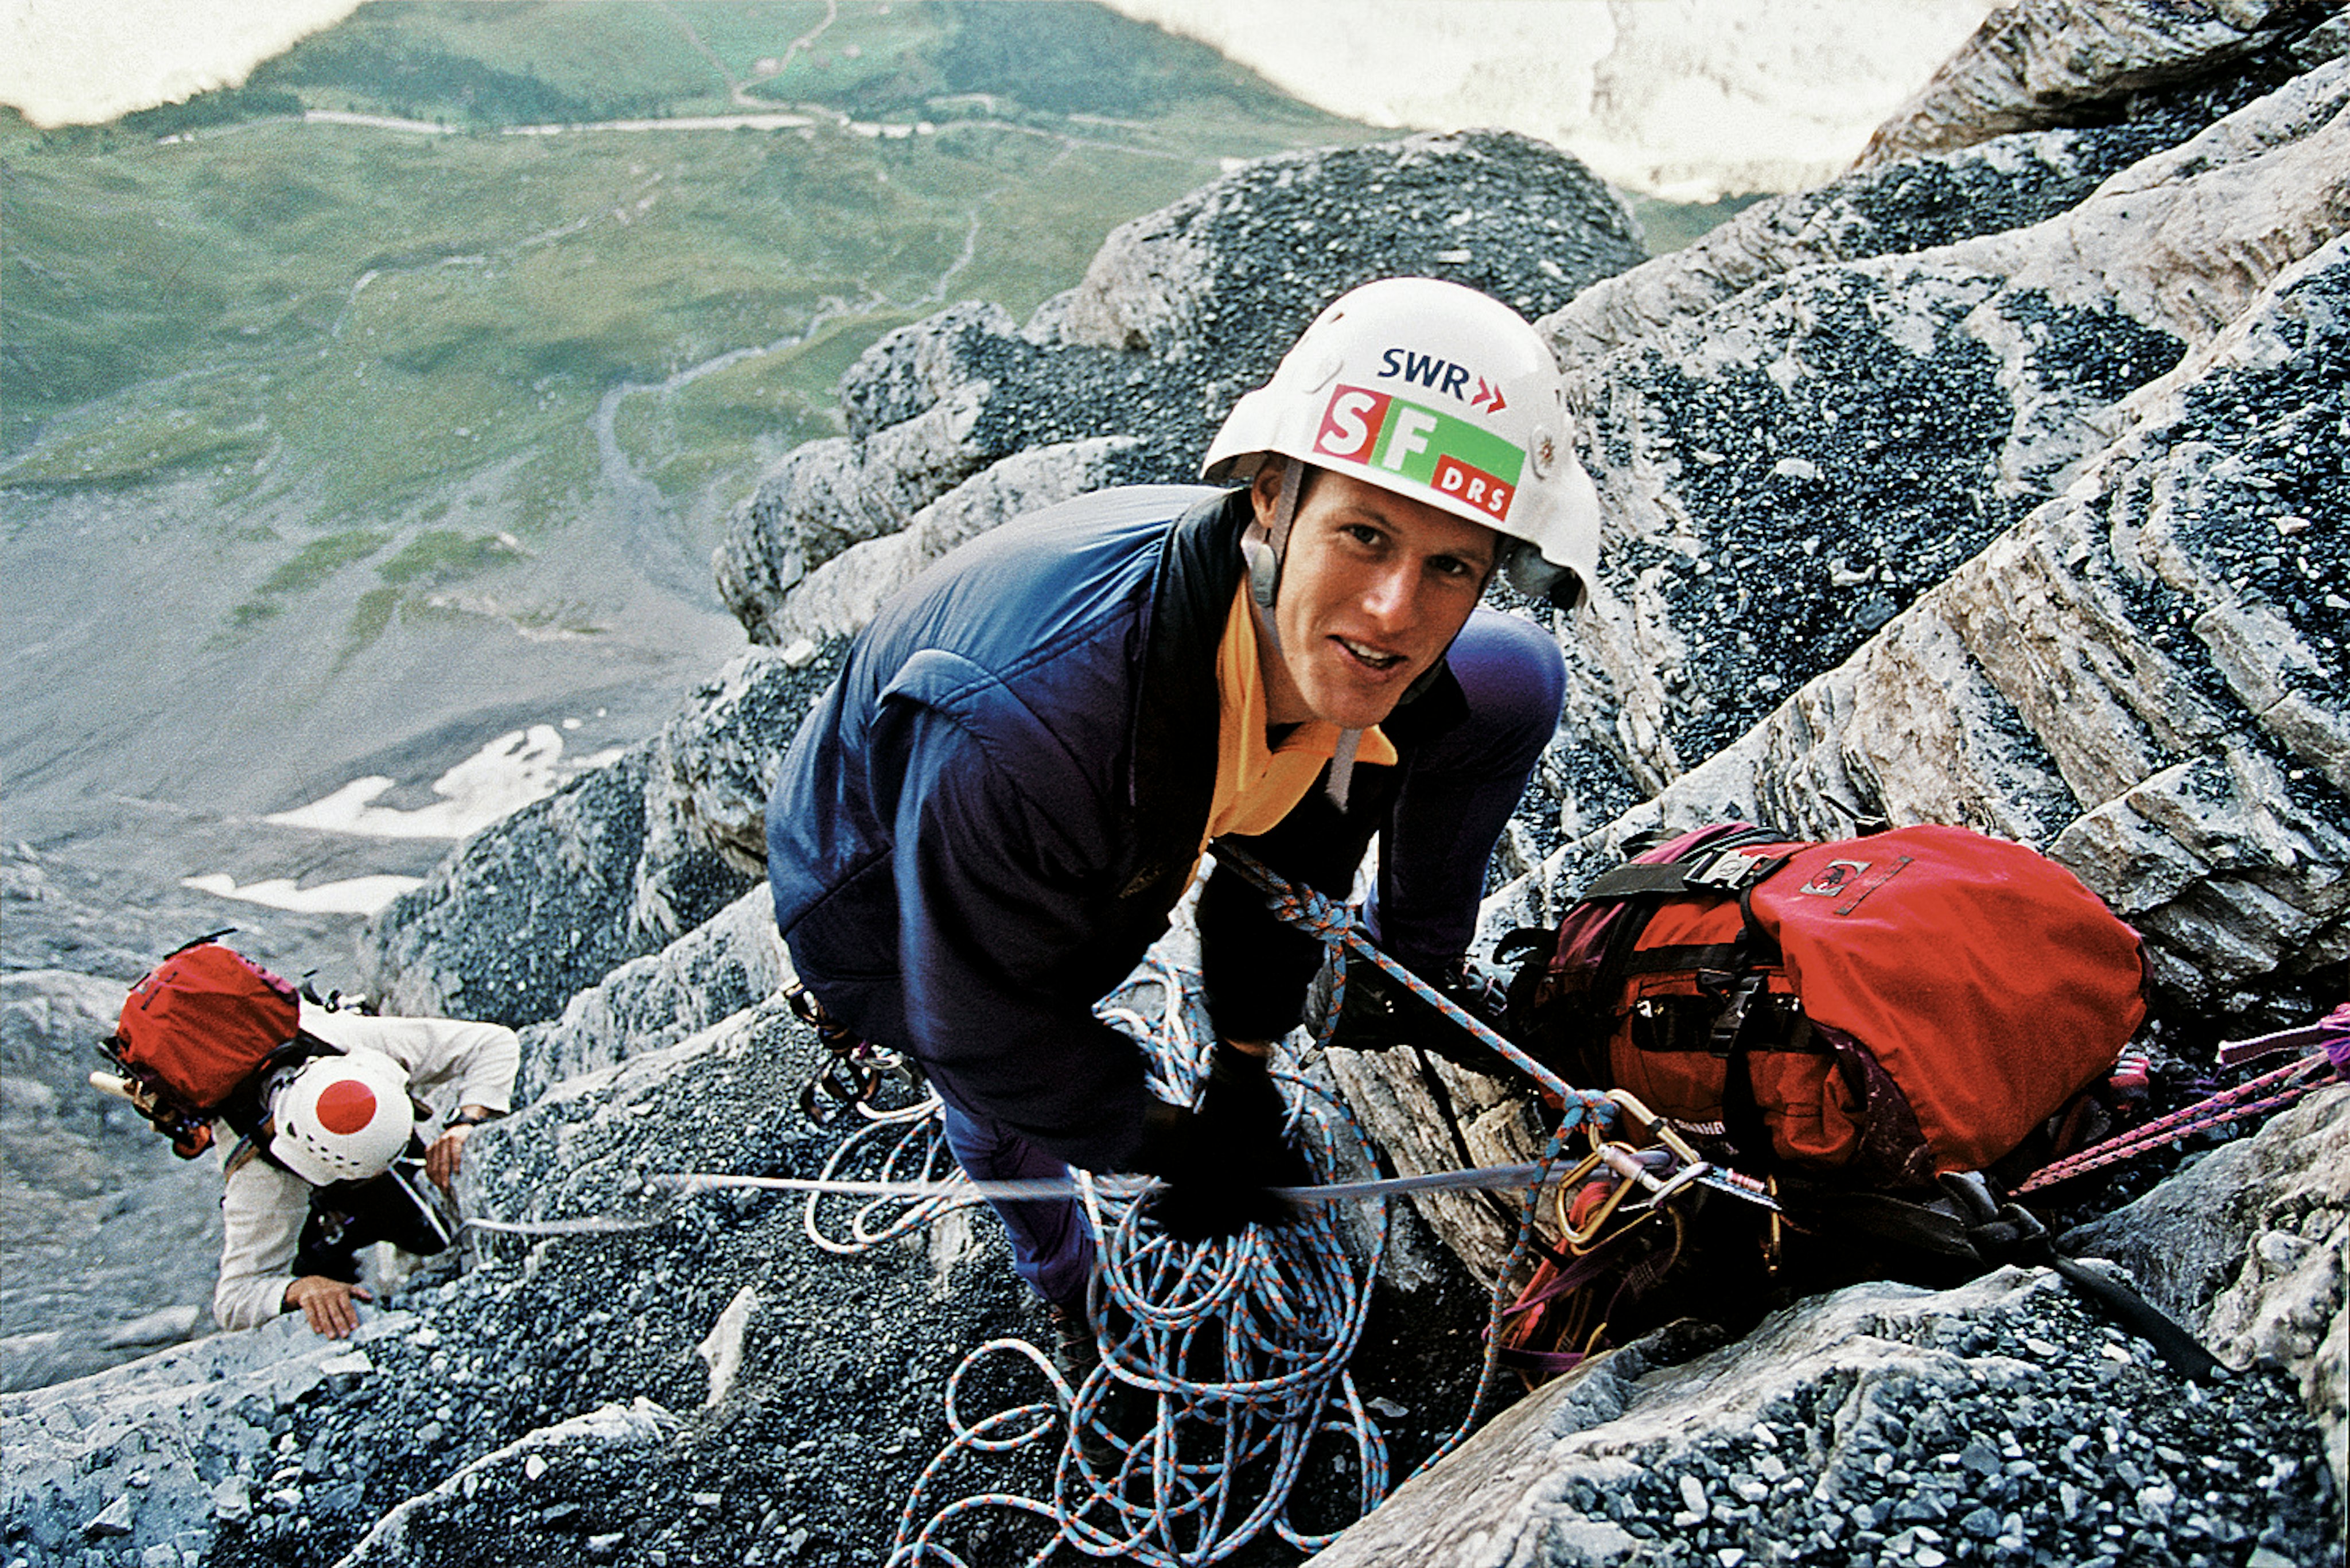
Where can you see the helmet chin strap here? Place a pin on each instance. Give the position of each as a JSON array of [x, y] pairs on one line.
[[1263, 546]]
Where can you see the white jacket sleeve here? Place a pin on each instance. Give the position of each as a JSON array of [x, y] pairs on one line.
[[449, 1062], [263, 1209]]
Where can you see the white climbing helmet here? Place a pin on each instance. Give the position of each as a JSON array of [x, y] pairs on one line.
[[342, 1119], [1441, 394]]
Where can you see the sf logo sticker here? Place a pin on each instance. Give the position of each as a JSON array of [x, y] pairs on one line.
[[1453, 456]]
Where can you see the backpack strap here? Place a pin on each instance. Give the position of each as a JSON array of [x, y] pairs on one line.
[[244, 1111], [1712, 867], [196, 943], [2009, 1233]]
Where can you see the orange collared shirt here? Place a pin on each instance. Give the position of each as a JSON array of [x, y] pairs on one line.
[[1257, 784]]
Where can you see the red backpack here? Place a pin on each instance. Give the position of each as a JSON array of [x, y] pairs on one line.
[[1882, 1009], [196, 1033]]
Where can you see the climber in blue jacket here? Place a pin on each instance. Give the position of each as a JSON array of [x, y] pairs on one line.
[[981, 826]]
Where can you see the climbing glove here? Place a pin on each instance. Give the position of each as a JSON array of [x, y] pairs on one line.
[[1221, 1160], [1381, 1014]]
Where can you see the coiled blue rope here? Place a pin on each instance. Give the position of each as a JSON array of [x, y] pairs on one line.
[[1221, 1362], [1239, 1346], [1340, 928]]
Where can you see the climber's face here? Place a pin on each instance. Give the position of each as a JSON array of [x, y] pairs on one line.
[[1373, 588]]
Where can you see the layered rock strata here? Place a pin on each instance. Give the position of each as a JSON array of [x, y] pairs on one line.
[[1998, 485]]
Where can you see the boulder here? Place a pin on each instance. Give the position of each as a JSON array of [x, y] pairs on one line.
[[543, 904], [609, 1441], [838, 598], [1881, 1422], [525, 912], [170, 1442], [714, 766], [1791, 469], [728, 963], [2039, 63], [112, 1239], [2246, 1245]]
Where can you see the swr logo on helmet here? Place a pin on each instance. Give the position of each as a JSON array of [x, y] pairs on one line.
[[1443, 376], [1423, 445]]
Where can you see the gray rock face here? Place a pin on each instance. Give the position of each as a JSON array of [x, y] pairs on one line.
[[541, 906], [554, 880], [714, 766], [1182, 312], [111, 1238], [158, 1455], [2043, 63], [1899, 1425], [1913, 204], [2247, 1244], [1792, 468], [838, 598], [606, 1444], [729, 962]]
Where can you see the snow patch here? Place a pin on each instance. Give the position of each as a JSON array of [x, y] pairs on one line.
[[352, 896], [504, 776]]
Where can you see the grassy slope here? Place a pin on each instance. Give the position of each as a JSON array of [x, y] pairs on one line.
[[393, 344]]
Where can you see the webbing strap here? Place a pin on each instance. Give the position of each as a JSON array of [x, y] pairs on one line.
[[1727, 957], [1633, 881]]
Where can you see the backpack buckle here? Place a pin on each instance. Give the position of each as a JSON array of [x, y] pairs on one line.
[[1730, 1022], [1730, 870]]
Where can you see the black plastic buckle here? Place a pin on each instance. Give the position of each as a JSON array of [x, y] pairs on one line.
[[1730, 1022]]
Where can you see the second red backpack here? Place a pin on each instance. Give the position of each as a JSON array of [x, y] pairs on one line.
[[196, 1029]]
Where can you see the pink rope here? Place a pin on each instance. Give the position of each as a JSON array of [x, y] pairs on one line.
[[2264, 1093]]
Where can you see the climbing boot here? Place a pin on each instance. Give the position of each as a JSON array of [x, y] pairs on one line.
[[1076, 1356]]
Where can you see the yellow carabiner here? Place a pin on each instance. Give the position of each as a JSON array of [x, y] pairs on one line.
[[1619, 1159]]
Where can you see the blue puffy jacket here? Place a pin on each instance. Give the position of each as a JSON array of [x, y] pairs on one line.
[[989, 818]]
